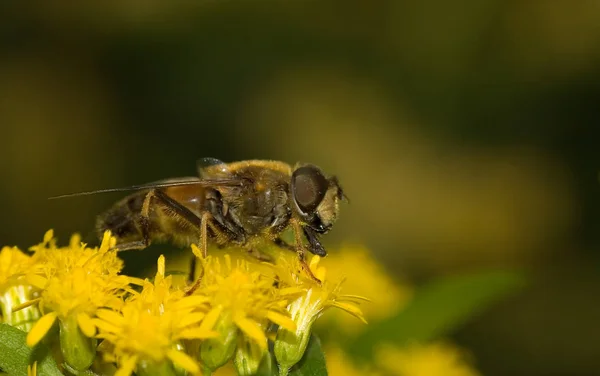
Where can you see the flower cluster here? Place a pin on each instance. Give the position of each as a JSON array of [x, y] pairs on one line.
[[242, 312]]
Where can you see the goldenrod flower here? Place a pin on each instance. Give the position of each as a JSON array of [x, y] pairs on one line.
[[146, 335], [75, 281], [315, 298], [14, 264], [425, 360], [241, 298], [368, 278], [14, 290]]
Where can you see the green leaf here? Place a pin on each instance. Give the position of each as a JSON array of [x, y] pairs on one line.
[[15, 355], [439, 308], [312, 362]]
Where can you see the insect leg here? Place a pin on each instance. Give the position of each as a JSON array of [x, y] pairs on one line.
[[219, 213], [162, 198], [204, 249], [315, 246], [177, 208], [297, 227], [197, 281], [144, 224]]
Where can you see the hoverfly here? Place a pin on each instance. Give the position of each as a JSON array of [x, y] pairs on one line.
[[229, 204]]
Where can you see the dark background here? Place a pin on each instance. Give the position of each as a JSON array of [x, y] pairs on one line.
[[465, 134]]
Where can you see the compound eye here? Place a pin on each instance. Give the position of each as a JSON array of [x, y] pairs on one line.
[[308, 187]]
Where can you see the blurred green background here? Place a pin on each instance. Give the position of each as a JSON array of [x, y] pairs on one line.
[[465, 134]]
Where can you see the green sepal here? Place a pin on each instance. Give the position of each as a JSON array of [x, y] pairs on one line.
[[215, 352], [313, 362], [78, 350]]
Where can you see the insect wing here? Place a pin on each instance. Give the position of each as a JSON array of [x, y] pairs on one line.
[[175, 182]]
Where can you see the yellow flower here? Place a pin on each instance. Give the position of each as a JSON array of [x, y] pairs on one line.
[[314, 299], [246, 297], [368, 278], [75, 282], [14, 264], [147, 334], [436, 359], [14, 290]]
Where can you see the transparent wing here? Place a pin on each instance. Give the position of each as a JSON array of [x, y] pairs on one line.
[[174, 182]]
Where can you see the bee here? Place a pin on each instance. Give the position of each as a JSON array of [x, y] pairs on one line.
[[228, 204]]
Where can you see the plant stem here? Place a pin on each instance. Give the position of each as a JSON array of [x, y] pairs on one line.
[[283, 371]]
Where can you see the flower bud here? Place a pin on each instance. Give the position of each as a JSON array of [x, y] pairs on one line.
[[290, 346], [78, 350], [149, 367], [248, 356], [215, 352]]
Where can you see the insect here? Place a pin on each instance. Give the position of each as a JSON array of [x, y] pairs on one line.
[[229, 204]]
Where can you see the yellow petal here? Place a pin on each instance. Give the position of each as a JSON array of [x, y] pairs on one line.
[[351, 309], [107, 242], [36, 281], [227, 258], [190, 302], [105, 326], [196, 333], [252, 330], [32, 369], [184, 361], [189, 319], [86, 324], [314, 262], [161, 266], [75, 241], [40, 329], [282, 320], [127, 366], [197, 252], [320, 274], [136, 281], [48, 235], [290, 291], [211, 319], [357, 298], [110, 316]]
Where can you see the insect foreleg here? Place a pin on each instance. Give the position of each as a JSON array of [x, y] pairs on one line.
[[300, 249]]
